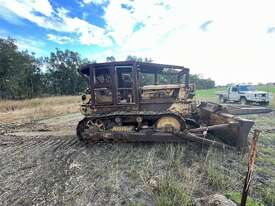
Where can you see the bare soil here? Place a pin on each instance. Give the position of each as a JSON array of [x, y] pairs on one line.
[[43, 163]]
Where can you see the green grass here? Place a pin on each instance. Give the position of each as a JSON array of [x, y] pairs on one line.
[[213, 91], [135, 204], [209, 92], [217, 178], [268, 88], [222, 177], [170, 192], [236, 197], [267, 194]]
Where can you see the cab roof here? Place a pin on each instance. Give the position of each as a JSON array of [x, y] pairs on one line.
[[143, 66]]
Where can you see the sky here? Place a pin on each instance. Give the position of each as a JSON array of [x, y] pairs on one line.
[[229, 41]]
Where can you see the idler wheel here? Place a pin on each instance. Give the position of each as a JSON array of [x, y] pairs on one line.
[[168, 124]]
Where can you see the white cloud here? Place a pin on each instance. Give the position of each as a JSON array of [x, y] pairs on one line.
[[98, 2], [59, 21], [89, 34], [31, 46], [119, 21], [26, 8], [234, 48], [10, 16], [59, 39], [26, 43], [42, 6]]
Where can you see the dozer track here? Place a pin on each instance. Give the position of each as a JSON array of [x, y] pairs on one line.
[[132, 122], [145, 127]]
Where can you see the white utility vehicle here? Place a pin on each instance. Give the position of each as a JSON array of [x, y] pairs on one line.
[[244, 93]]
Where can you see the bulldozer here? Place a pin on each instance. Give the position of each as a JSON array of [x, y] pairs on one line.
[[130, 101]]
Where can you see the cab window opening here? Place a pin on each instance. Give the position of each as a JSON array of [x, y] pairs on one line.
[[125, 94], [102, 83]]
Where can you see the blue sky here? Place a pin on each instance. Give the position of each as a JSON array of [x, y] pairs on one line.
[[45, 34], [220, 39]]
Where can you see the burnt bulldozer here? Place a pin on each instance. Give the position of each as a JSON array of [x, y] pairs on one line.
[[133, 101]]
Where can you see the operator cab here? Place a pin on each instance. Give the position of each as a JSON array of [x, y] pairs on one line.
[[136, 86]]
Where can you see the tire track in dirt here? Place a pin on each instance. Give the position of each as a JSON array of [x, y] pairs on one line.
[[45, 164], [34, 162]]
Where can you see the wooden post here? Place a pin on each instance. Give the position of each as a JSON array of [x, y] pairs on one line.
[[251, 161]]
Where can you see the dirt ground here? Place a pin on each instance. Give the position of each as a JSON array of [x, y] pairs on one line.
[[43, 163]]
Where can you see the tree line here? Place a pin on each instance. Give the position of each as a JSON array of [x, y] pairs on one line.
[[25, 76], [22, 75], [201, 83]]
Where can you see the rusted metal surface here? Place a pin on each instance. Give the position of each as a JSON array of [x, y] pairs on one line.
[[151, 137], [244, 110], [235, 134], [251, 162], [214, 127], [89, 71], [236, 109], [118, 90]]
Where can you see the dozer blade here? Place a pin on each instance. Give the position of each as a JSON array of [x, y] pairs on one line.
[[235, 130]]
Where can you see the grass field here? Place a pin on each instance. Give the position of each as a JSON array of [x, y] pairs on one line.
[[37, 108], [169, 174], [31, 109], [265, 163]]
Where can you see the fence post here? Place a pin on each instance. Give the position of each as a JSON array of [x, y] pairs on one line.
[[251, 161]]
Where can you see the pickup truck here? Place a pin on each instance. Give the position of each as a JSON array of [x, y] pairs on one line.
[[244, 94]]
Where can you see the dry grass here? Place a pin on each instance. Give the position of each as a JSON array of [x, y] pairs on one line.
[[37, 108], [151, 174]]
